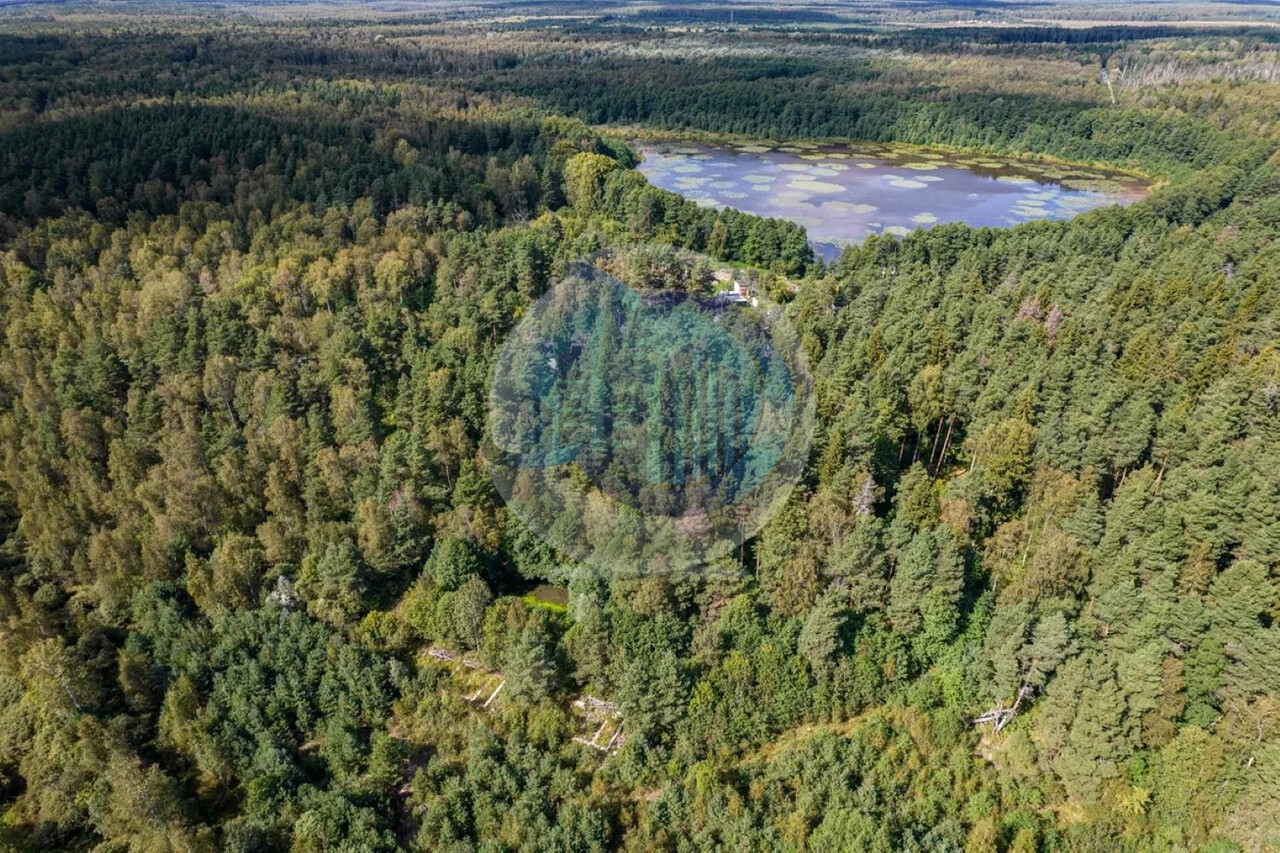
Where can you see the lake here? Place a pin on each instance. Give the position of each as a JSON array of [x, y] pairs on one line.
[[843, 194]]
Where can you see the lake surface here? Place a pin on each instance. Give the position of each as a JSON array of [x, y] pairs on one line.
[[843, 194]]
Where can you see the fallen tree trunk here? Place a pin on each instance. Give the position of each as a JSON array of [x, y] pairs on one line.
[[1000, 716]]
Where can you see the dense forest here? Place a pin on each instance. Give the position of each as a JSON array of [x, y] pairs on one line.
[[258, 590]]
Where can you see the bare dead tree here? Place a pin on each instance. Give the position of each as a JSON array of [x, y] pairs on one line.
[[1000, 716]]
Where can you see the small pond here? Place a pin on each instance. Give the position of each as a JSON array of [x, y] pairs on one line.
[[843, 194]]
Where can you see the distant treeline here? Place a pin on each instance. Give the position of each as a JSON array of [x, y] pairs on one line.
[[807, 99], [947, 38]]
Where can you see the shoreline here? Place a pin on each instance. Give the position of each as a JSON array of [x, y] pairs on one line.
[[630, 133]]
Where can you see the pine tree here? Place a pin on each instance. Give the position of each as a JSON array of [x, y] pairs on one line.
[[529, 668], [1098, 736], [819, 638], [651, 693], [470, 603]]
